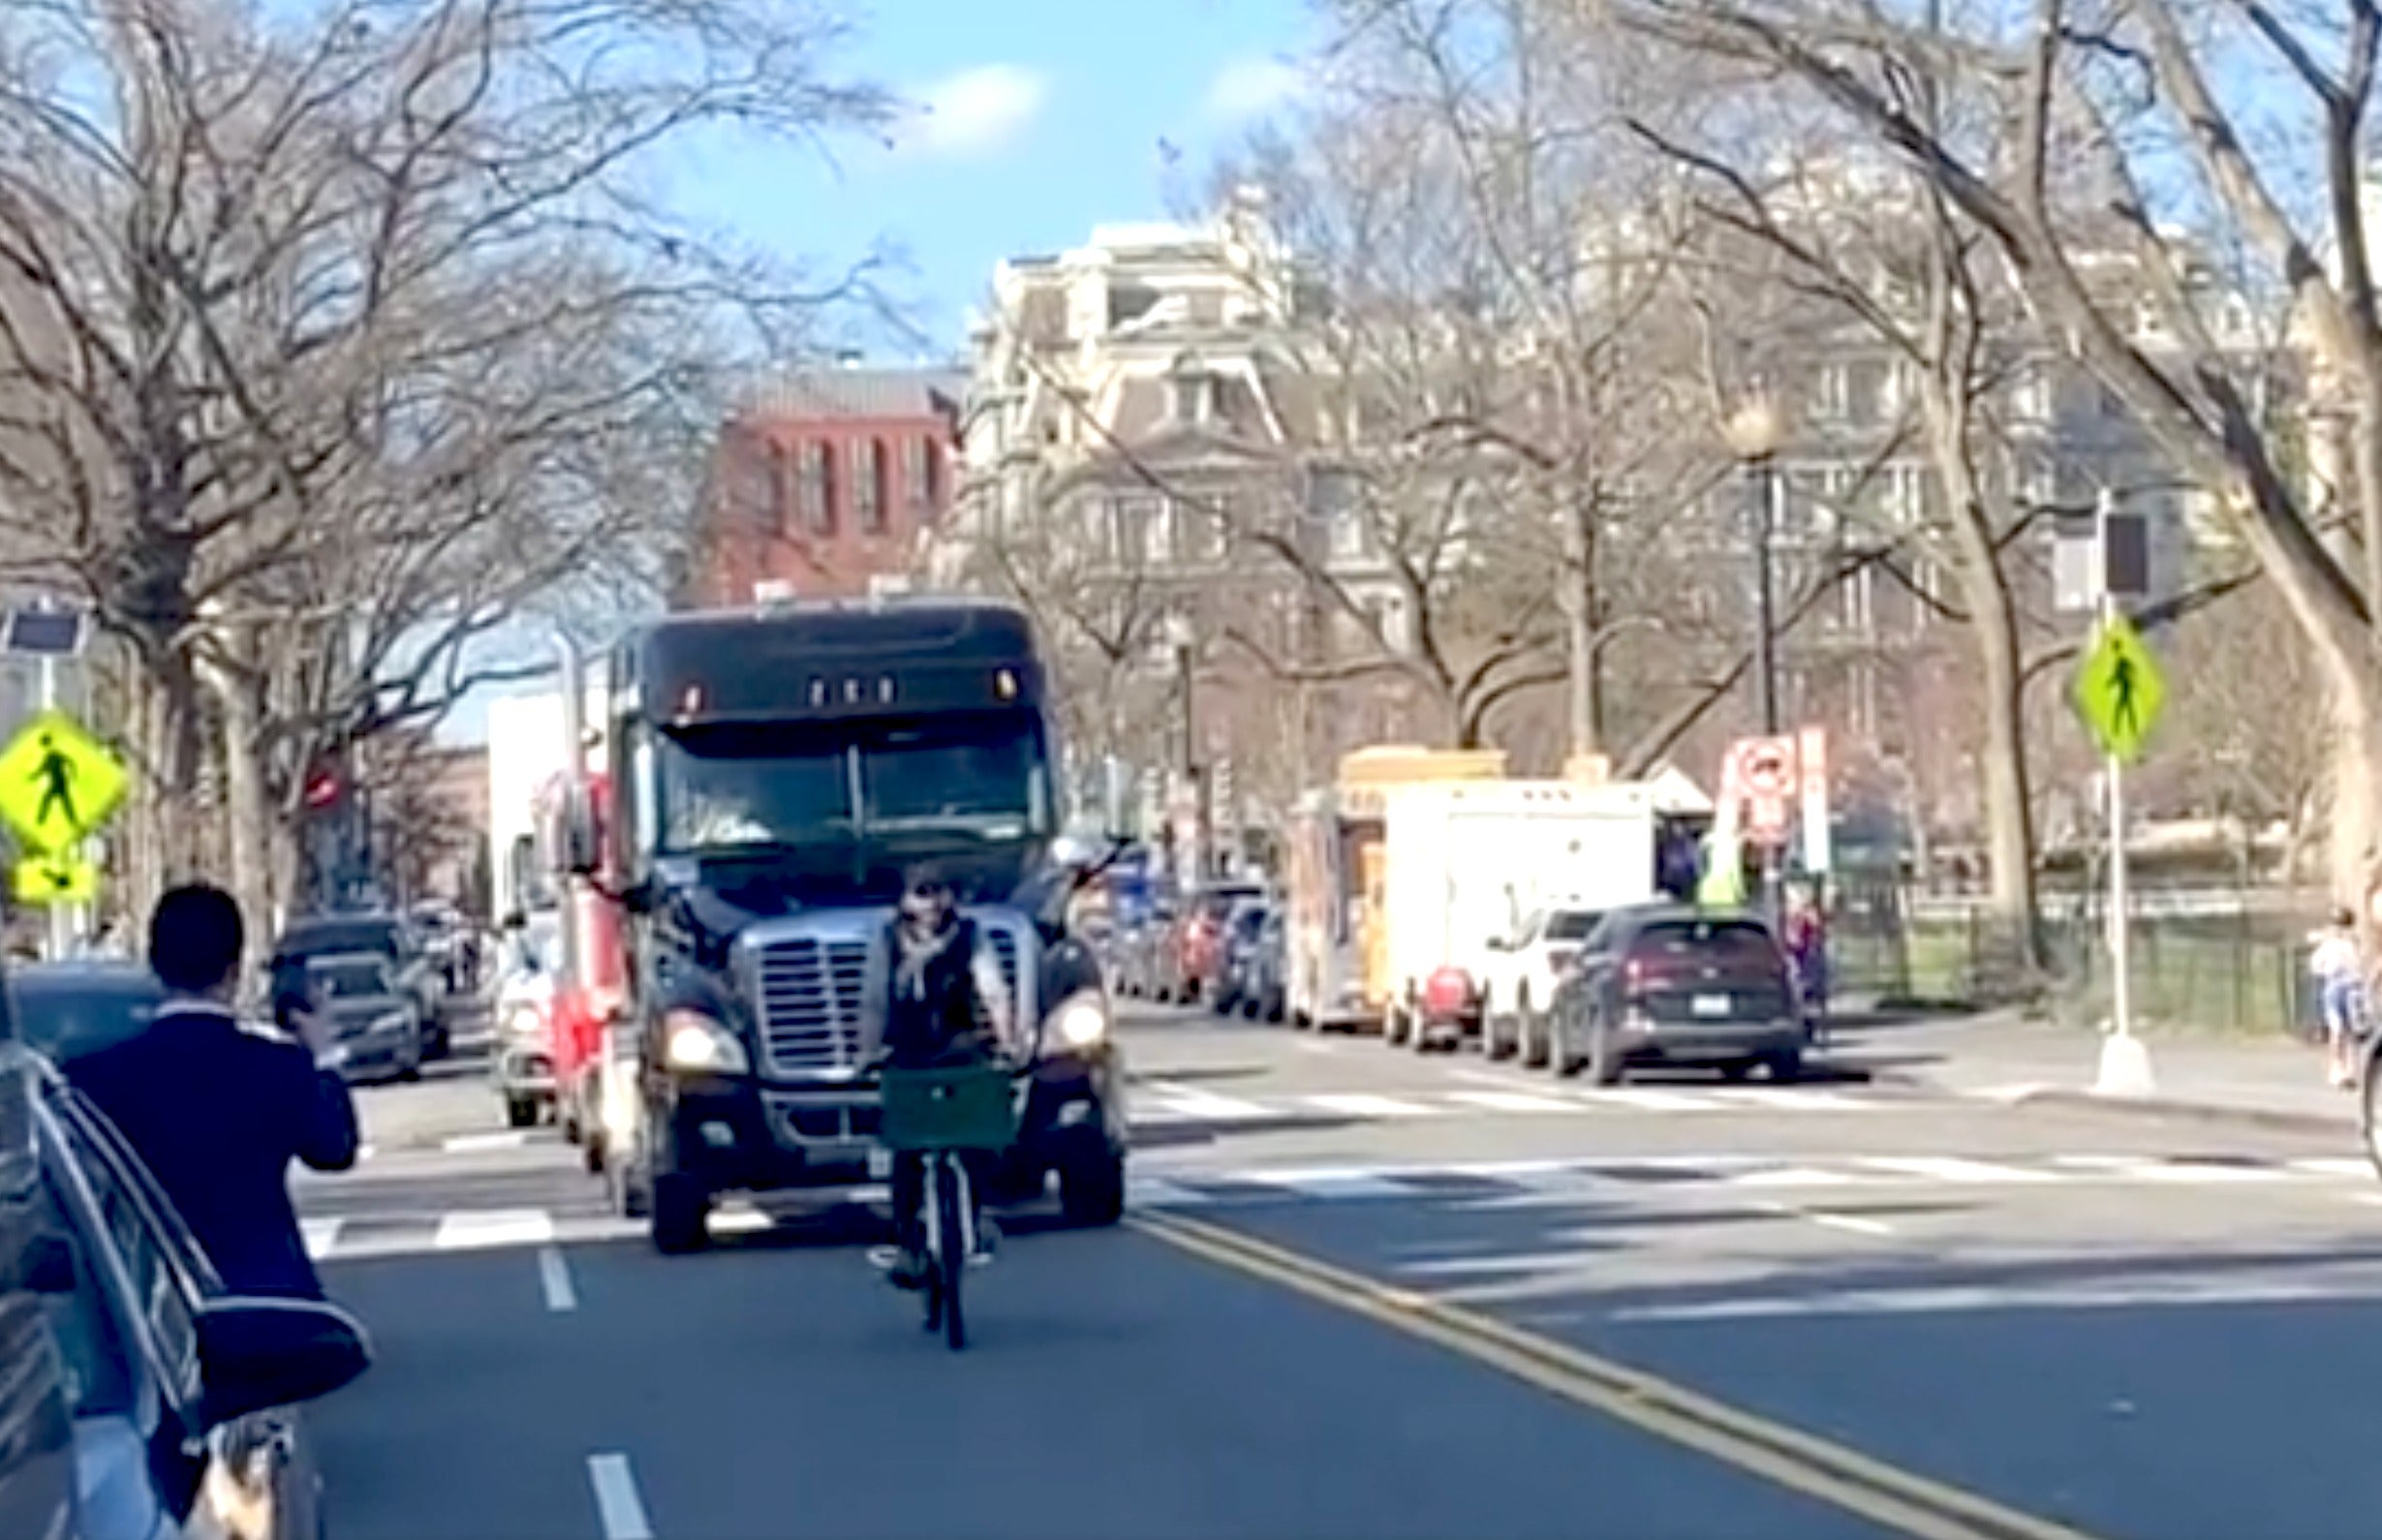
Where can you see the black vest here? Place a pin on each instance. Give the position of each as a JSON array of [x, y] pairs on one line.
[[921, 1027]]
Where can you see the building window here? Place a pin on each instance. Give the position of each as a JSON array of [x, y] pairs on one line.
[[779, 493], [871, 496], [1141, 530], [918, 475], [818, 488]]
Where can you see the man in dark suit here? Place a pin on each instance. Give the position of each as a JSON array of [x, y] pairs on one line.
[[218, 1107]]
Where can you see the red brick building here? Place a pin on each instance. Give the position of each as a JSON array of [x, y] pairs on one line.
[[827, 480]]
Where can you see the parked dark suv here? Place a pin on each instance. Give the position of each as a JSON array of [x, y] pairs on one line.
[[1668, 984]]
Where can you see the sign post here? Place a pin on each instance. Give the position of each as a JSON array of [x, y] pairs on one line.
[[2119, 693]]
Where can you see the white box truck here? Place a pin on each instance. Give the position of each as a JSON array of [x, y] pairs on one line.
[[1468, 861]]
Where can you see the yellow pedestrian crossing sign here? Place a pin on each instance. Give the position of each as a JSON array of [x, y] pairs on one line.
[[2119, 689], [57, 783], [56, 880]]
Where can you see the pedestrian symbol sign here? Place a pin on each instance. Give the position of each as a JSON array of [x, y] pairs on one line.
[[2119, 689], [56, 880], [57, 783]]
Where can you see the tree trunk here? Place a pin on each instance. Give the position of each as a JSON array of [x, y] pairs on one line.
[[247, 797]]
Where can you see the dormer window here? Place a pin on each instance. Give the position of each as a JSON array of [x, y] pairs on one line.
[[1192, 393]]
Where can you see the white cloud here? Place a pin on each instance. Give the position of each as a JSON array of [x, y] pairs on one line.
[[1250, 88], [975, 112]]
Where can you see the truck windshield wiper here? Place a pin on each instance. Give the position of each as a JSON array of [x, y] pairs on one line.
[[983, 825]]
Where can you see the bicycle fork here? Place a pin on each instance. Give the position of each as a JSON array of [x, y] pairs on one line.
[[944, 1166]]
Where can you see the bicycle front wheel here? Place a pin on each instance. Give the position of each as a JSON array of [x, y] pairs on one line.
[[951, 1257]]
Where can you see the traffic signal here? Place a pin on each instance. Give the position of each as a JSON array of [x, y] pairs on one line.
[[323, 787]]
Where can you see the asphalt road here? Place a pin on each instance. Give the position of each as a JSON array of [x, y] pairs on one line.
[[1369, 1292]]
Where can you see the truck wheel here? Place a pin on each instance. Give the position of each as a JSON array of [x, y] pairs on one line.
[[1500, 1032], [520, 1112], [1091, 1191], [591, 1152], [681, 1209]]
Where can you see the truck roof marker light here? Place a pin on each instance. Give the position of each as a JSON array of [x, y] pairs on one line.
[[884, 691], [851, 691], [819, 692], [1004, 684], [691, 701]]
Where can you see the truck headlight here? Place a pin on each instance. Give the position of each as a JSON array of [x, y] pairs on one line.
[[1081, 1019], [692, 1040], [525, 1020]]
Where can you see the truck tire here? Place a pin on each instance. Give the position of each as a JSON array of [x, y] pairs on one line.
[[520, 1112], [1092, 1191], [1604, 1056], [1501, 1031], [681, 1211]]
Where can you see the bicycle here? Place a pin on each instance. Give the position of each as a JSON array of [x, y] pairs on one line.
[[947, 1114]]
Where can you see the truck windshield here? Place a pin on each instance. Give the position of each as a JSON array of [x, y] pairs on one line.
[[732, 784]]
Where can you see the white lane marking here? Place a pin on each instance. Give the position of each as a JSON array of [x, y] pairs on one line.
[[618, 1504], [1852, 1223], [2334, 1166], [1358, 1105], [2115, 1293], [1957, 1172], [1190, 1102], [554, 1279], [1513, 1102], [1486, 1077], [1352, 1183], [320, 1236], [365, 1152], [1308, 1046], [470, 1143], [2371, 1200], [472, 1230]]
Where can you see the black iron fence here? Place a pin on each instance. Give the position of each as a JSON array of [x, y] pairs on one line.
[[2226, 959]]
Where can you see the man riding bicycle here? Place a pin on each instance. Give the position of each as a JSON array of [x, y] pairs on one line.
[[936, 1000]]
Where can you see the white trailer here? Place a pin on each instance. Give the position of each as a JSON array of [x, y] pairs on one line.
[[1468, 861], [528, 748]]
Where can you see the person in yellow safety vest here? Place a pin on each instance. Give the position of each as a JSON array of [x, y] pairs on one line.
[[1723, 883]]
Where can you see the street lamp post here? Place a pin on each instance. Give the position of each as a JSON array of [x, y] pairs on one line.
[[1184, 638], [1754, 431]]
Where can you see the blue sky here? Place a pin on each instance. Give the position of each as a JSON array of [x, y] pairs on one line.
[[1044, 117]]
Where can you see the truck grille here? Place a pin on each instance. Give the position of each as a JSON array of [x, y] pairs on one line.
[[810, 989]]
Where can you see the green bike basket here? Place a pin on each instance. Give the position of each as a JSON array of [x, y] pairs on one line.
[[967, 1108]]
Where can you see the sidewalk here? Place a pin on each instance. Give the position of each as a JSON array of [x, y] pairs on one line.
[[2003, 1056]]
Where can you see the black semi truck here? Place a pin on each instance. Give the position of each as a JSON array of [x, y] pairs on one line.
[[775, 771]]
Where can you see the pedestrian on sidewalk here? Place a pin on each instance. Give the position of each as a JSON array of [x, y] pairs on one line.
[[1807, 951], [2339, 968], [217, 1107]]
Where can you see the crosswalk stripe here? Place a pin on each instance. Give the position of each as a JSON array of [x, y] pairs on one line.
[[320, 1236], [1950, 1169], [1328, 1184], [1360, 1105], [1786, 1098], [1647, 1100], [474, 1143], [469, 1231], [1190, 1102], [2331, 1166], [1795, 1177], [1512, 1101]]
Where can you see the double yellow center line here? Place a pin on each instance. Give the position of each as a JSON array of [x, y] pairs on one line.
[[1884, 1494]]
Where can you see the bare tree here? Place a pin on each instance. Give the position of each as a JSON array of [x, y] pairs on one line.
[[325, 339], [2094, 105]]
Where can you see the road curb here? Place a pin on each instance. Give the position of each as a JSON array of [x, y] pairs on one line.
[[2185, 1110]]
